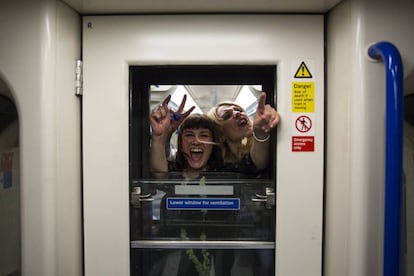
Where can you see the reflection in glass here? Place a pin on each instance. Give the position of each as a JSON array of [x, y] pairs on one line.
[[183, 232], [207, 205]]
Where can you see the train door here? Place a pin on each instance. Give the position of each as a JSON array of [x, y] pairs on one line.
[[137, 225], [221, 223]]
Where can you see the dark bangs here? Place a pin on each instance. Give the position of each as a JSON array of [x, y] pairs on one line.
[[196, 121]]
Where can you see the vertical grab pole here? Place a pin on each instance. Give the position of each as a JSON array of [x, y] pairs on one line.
[[389, 54]]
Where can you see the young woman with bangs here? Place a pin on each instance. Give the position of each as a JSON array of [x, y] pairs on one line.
[[198, 147]]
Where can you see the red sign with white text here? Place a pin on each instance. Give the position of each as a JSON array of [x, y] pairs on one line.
[[303, 143]]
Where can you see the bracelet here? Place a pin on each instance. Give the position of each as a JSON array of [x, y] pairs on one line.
[[260, 140]]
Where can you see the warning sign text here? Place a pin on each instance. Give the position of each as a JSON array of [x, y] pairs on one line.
[[303, 97], [303, 143]]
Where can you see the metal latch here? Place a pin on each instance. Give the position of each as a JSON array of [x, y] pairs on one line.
[[269, 198], [137, 198]]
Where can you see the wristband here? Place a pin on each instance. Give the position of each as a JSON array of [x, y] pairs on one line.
[[260, 140], [175, 116]]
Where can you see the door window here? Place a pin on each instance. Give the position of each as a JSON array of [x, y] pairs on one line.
[[221, 223]]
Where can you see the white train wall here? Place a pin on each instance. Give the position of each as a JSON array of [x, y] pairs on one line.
[[356, 133], [40, 41]]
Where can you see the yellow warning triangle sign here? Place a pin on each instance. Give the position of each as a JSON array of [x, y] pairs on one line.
[[303, 72]]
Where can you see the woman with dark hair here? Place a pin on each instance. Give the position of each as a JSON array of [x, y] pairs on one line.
[[198, 150], [197, 147]]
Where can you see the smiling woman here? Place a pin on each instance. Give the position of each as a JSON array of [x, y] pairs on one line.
[[198, 149]]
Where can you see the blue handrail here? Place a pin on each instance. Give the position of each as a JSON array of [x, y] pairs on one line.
[[394, 147]]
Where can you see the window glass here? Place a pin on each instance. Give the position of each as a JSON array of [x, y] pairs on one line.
[[203, 97], [220, 223]]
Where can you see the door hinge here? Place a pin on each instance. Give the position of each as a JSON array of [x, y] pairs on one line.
[[79, 78]]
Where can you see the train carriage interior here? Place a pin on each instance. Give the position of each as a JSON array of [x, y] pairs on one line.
[[80, 80]]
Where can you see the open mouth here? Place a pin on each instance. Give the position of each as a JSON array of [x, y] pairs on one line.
[[196, 154], [242, 122]]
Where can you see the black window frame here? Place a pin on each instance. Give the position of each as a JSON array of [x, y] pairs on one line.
[[142, 77]]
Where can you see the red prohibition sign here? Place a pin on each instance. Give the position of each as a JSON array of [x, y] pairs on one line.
[[303, 123]]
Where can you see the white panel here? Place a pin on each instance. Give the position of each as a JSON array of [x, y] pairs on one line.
[[356, 131], [25, 69], [68, 145], [111, 44], [48, 131], [339, 162], [203, 190]]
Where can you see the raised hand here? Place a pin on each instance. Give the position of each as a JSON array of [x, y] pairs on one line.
[[160, 118], [266, 117], [165, 121]]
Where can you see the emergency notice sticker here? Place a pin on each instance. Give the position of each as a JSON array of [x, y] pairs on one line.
[[303, 143], [303, 96]]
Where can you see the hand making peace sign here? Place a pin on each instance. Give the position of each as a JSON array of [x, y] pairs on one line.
[[165, 121]]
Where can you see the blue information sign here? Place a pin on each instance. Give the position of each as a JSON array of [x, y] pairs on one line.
[[178, 203]]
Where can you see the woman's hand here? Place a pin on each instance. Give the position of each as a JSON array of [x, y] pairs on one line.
[[165, 121], [160, 118], [178, 116], [265, 119]]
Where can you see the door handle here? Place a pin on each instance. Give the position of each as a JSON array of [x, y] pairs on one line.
[[269, 198], [137, 197]]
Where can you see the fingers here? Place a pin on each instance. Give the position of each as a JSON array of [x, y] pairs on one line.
[[270, 117], [261, 103], [161, 111], [166, 101], [267, 117], [153, 120], [181, 107], [270, 122], [185, 114], [274, 121], [178, 115]]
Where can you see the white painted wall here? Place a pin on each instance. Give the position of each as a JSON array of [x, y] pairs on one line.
[[69, 250], [40, 41], [356, 131]]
